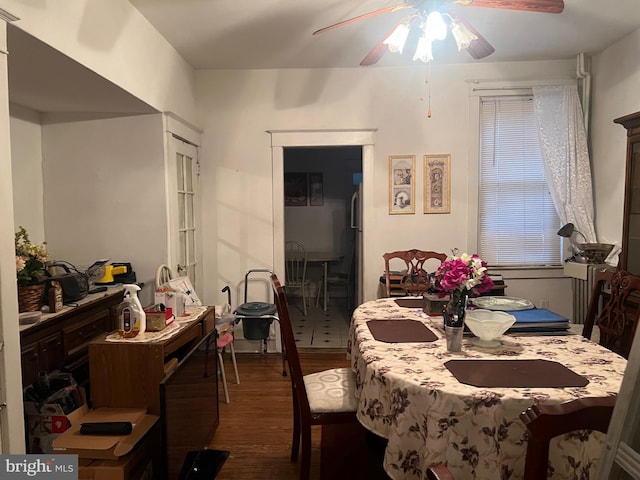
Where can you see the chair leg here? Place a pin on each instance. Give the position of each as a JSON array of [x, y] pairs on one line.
[[304, 300], [295, 439], [305, 463], [318, 295], [224, 376], [235, 364]]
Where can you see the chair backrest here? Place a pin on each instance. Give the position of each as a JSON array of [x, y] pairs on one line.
[[616, 319], [290, 348], [295, 263], [415, 278], [545, 422], [163, 275]]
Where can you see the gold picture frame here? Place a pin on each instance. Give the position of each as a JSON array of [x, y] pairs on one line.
[[437, 183], [402, 189]]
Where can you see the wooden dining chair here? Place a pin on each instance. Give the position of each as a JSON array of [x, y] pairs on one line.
[[163, 275], [295, 257], [413, 272], [545, 422], [311, 403], [609, 310]]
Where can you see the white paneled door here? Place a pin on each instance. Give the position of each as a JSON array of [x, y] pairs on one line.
[[184, 226]]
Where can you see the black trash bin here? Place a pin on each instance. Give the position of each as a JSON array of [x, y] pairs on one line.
[[256, 319]]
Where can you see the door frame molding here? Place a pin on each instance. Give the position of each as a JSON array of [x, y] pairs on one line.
[[323, 138]]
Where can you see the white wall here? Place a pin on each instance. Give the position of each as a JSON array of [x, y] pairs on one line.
[[104, 192], [113, 39], [26, 155], [238, 107], [616, 93]]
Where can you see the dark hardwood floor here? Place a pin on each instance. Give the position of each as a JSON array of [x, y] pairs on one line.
[[256, 426]]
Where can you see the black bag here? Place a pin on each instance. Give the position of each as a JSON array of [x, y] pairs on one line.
[[128, 277], [75, 285]]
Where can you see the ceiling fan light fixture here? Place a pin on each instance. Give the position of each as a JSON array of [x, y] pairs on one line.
[[462, 35], [424, 50], [435, 28], [398, 38]]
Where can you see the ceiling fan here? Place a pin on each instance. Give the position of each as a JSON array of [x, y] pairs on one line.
[[431, 20]]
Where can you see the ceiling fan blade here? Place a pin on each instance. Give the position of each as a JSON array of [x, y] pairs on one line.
[[480, 47], [543, 6], [380, 11], [376, 53]]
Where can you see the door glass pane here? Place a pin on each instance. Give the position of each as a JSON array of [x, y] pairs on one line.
[[188, 173], [181, 219], [192, 247], [189, 211], [183, 244], [180, 172]]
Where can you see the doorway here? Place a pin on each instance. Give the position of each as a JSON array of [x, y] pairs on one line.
[[320, 214], [324, 138]]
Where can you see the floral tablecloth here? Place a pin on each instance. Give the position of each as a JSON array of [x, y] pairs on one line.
[[408, 396]]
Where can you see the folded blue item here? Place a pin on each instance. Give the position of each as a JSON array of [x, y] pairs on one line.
[[537, 315]]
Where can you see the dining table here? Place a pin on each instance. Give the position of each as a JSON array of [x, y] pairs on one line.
[[462, 408], [325, 258]]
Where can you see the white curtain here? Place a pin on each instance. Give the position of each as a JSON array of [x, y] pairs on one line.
[[563, 140]]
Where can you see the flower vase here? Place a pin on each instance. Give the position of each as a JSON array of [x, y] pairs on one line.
[[30, 298], [456, 308]]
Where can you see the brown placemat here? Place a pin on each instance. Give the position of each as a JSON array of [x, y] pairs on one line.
[[515, 373], [401, 330], [417, 302]]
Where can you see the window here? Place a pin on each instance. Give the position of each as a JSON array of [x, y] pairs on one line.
[[518, 223]]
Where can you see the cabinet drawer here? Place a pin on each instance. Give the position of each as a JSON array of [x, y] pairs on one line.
[[78, 336]]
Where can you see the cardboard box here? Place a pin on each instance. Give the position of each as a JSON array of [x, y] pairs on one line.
[[142, 463], [107, 447], [157, 319], [46, 421]]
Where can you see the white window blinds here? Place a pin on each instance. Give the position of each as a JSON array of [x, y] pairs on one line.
[[517, 222]]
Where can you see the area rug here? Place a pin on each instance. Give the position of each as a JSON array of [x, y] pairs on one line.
[[203, 464]]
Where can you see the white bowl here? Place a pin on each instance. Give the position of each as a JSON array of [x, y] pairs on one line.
[[488, 325]]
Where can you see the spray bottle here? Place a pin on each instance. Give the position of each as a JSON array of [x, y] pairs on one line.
[[131, 317]]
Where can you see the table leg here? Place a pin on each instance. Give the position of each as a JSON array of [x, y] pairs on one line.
[[325, 285]]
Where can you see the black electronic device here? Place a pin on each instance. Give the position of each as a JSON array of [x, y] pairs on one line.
[[188, 392], [106, 428]]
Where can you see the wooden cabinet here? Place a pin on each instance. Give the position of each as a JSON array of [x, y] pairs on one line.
[[45, 353], [630, 255], [173, 376], [60, 341], [128, 373]]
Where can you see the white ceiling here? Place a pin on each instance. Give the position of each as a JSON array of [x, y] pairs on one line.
[[278, 33], [241, 34]]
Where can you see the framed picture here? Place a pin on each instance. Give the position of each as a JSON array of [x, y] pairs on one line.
[[402, 188], [295, 189], [315, 189], [437, 183]]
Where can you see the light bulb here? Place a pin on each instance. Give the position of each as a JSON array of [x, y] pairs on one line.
[[435, 28], [397, 39], [462, 34]]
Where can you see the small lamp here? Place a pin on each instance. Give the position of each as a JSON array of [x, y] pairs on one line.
[[568, 230]]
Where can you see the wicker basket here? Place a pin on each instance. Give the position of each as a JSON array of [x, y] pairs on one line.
[[30, 298]]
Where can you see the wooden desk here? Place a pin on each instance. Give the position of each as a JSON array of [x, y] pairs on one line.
[[128, 373], [60, 340]]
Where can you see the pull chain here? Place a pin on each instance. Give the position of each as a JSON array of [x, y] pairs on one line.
[[428, 82]]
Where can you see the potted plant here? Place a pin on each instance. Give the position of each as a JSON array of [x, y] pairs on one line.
[[31, 271]]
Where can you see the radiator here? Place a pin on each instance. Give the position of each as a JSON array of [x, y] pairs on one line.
[[582, 287]]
